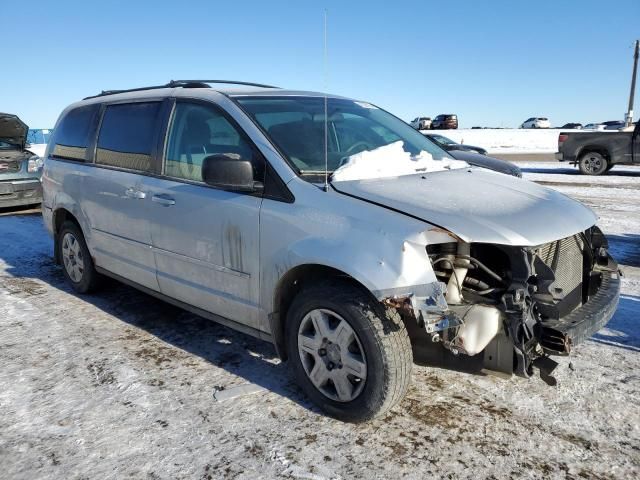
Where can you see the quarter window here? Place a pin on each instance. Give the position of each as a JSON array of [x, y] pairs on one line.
[[196, 132], [71, 137], [127, 136]]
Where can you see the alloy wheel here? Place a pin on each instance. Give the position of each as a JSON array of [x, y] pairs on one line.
[[72, 257], [593, 163]]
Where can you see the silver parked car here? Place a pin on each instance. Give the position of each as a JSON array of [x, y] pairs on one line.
[[326, 226], [20, 168]]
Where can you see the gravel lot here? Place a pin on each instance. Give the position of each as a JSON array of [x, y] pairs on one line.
[[119, 384]]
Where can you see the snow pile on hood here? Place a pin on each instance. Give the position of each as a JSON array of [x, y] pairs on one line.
[[391, 161]]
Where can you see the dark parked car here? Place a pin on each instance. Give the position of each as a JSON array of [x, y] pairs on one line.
[[448, 144], [572, 126], [20, 169], [474, 155], [447, 121], [596, 153]]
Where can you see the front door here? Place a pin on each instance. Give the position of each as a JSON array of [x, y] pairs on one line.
[[205, 240]]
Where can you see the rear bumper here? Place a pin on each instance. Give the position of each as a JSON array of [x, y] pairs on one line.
[[559, 336], [16, 193]]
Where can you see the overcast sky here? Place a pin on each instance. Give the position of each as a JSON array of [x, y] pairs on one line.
[[493, 63]]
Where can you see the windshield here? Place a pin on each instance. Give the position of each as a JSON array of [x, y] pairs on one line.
[[442, 140], [296, 125], [8, 146]]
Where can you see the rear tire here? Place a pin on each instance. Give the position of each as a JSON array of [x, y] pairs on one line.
[[593, 163], [77, 263], [372, 375]]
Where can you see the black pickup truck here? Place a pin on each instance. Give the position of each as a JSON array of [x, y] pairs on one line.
[[596, 153]]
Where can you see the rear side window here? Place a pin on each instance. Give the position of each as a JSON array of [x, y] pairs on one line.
[[127, 136], [72, 136]]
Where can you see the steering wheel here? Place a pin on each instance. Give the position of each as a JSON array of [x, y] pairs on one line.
[[353, 148]]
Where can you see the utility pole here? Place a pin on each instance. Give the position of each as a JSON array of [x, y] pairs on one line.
[[629, 119]]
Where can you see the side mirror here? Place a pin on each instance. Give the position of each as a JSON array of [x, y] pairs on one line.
[[229, 171]]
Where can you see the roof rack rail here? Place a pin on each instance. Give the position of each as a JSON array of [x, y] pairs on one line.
[[179, 83], [188, 83], [113, 92]]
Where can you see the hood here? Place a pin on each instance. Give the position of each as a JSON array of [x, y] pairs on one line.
[[484, 161], [478, 206], [13, 130]]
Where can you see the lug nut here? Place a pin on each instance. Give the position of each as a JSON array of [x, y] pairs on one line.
[[330, 366], [322, 352]]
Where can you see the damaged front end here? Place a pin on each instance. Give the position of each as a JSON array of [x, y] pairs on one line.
[[518, 304]]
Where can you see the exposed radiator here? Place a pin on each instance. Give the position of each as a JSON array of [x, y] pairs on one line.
[[565, 258]]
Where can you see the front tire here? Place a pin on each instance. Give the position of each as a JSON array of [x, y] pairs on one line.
[[593, 163], [348, 353], [77, 263]]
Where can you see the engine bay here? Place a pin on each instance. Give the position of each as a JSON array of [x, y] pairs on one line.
[[528, 299]]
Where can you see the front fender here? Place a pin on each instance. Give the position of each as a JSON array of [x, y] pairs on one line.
[[381, 263], [383, 250]]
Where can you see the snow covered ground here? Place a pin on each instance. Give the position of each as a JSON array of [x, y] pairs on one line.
[[507, 140], [119, 384]]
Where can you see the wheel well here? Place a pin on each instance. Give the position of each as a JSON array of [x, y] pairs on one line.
[[60, 216], [289, 286], [594, 148]]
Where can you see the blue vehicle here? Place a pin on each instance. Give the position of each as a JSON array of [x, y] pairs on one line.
[[38, 136]]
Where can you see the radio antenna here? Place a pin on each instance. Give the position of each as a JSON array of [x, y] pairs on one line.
[[326, 118]]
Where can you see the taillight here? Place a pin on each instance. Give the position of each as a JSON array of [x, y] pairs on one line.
[[562, 138]]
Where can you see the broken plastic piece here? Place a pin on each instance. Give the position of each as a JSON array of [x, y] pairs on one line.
[[220, 394]]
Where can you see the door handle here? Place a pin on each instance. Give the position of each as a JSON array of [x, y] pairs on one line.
[[163, 200], [133, 193]]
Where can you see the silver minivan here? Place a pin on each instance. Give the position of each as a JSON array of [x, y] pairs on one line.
[[326, 226]]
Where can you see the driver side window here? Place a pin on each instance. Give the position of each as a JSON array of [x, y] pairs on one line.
[[196, 132]]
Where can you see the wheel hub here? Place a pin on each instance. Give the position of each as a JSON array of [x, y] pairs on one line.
[[593, 163], [332, 355]]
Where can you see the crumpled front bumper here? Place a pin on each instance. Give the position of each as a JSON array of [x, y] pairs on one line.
[[559, 336]]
